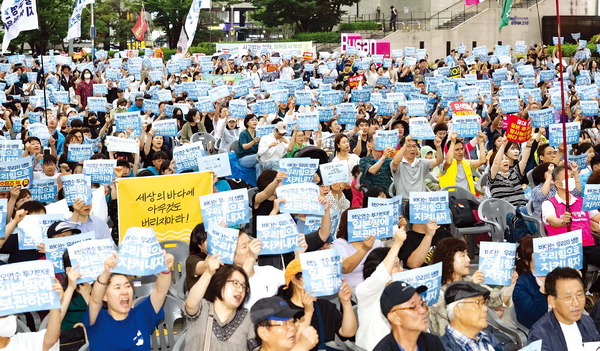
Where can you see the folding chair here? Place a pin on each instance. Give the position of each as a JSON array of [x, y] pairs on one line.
[[180, 251]]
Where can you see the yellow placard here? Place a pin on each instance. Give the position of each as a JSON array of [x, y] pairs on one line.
[[168, 204]]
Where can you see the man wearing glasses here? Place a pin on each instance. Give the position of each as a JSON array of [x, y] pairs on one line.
[[278, 331], [407, 313], [466, 303], [564, 328]]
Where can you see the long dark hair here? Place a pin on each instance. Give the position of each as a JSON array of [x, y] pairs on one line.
[[444, 252], [197, 238]]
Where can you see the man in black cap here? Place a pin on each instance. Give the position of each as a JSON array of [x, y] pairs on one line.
[[61, 229], [274, 324], [407, 313], [466, 303]]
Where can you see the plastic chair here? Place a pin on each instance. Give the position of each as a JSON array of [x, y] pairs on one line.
[[513, 318], [250, 227], [594, 271], [143, 286], [208, 142], [85, 347], [234, 147], [22, 326], [34, 321], [515, 335], [166, 334], [44, 323], [541, 230], [180, 251], [493, 212], [180, 343], [461, 193]]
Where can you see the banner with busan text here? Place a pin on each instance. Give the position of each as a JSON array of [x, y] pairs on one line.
[[168, 204]]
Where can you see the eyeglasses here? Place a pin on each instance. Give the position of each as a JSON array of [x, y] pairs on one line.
[[570, 299], [236, 284], [479, 303], [420, 304], [285, 324]]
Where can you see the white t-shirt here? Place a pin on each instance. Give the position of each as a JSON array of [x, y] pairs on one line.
[[572, 336], [29, 342], [264, 283]]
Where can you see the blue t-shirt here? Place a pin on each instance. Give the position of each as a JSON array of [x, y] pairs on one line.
[[132, 333]]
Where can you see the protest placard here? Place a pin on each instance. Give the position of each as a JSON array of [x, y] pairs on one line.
[[395, 202], [44, 190], [151, 106], [186, 156], [308, 121], [420, 129], [117, 144], [300, 199], [17, 172], [33, 230], [497, 262], [303, 97], [55, 248], [429, 206], [541, 118], [140, 253], [277, 233], [89, 256], [168, 203], [99, 89], [41, 131], [227, 207], [265, 106], [430, 276], [238, 108], [311, 224], [166, 127], [222, 241], [10, 150], [589, 108], [299, 170], [556, 133], [385, 139], [537, 346], [416, 108], [79, 152], [100, 171], [335, 172], [3, 216], [376, 221], [591, 197], [322, 272], [77, 186], [27, 287], [509, 104], [96, 104], [327, 98], [518, 129], [580, 160], [263, 129], [325, 113], [466, 126], [218, 163], [563, 250], [346, 113]]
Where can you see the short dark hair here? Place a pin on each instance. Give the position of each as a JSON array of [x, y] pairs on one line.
[[160, 155], [444, 252], [542, 149], [538, 173], [359, 121], [560, 273], [197, 237], [440, 127], [248, 118], [337, 140], [374, 192], [373, 260], [218, 281], [583, 148], [33, 207], [524, 255], [191, 114], [265, 178], [49, 160]]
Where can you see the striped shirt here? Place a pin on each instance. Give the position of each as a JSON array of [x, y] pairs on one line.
[[508, 188]]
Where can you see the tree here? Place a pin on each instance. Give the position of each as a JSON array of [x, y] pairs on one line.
[[306, 15], [112, 25]]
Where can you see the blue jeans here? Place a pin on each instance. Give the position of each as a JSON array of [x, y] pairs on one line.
[[250, 161]]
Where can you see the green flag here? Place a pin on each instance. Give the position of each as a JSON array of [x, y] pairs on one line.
[[504, 18]]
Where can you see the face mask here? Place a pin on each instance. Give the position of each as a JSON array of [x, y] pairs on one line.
[[571, 184], [8, 326], [87, 76]]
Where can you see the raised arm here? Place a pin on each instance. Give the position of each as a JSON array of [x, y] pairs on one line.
[[439, 155], [99, 289], [450, 154], [163, 282], [325, 229], [270, 189], [351, 262], [54, 321], [197, 292], [400, 155], [417, 257], [481, 160], [525, 155], [496, 163]]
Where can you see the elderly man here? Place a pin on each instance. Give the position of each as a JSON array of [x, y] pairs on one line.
[[407, 313], [275, 326], [564, 328], [466, 304], [273, 147]]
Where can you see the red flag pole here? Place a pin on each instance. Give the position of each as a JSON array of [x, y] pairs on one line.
[[563, 113]]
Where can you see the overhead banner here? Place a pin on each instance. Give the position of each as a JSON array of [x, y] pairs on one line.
[[17, 16], [242, 48], [191, 23], [75, 19], [168, 204]]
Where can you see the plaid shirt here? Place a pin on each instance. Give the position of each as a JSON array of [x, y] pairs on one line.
[[481, 342]]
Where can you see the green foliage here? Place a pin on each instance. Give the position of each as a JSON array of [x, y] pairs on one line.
[[306, 15], [318, 37], [204, 48], [364, 25]]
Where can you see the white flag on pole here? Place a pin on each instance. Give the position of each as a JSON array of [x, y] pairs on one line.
[[191, 23], [18, 16], [75, 19]]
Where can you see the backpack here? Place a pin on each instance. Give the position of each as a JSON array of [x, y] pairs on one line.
[[462, 214], [516, 227]]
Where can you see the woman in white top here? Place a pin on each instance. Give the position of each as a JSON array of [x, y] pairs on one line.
[[342, 153], [371, 74]]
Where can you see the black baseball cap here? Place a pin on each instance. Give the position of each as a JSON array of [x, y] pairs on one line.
[[397, 293], [463, 290], [274, 308], [60, 227]]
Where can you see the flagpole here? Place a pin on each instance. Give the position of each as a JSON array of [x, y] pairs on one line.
[[93, 32], [43, 80], [563, 113]]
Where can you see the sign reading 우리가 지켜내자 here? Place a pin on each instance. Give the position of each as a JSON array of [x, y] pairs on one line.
[[169, 203]]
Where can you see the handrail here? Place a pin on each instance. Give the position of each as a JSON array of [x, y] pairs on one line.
[[447, 8]]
